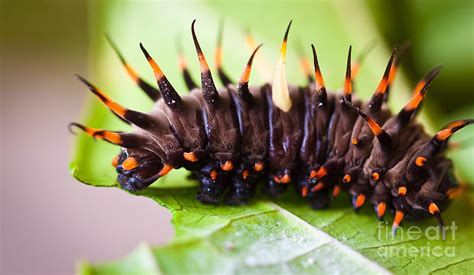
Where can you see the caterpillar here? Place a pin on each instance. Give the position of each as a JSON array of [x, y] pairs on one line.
[[279, 134]]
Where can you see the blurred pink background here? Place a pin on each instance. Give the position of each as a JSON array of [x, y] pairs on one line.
[[49, 220]]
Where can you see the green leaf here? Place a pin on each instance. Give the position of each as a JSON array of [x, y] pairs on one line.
[[282, 236]]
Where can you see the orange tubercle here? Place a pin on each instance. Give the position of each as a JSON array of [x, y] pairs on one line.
[[305, 66], [456, 124], [360, 200], [304, 191], [402, 191], [191, 156], [112, 137], [156, 69], [131, 72], [433, 208], [444, 134], [419, 86], [130, 163], [312, 174], [454, 192], [355, 70], [182, 62], [393, 73], [398, 218], [258, 166], [376, 129], [321, 172], [336, 191], [213, 175], [414, 102], [245, 174], [317, 187], [319, 80], [420, 161], [347, 86], [227, 166], [381, 209], [382, 87], [285, 179], [115, 161], [203, 63], [244, 78], [165, 170], [117, 108], [218, 57]]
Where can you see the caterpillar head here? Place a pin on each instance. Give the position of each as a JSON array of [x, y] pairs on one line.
[[137, 169], [140, 162]]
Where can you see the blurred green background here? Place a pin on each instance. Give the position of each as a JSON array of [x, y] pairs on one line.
[[439, 32]]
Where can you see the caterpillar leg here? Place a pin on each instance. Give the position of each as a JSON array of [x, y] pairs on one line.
[[320, 199], [313, 189], [275, 185], [240, 190], [303, 186], [381, 198], [359, 193], [211, 185]]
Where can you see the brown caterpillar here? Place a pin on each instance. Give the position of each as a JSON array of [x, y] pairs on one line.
[[282, 135]]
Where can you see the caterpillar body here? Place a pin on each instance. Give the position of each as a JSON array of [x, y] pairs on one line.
[[283, 135]]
